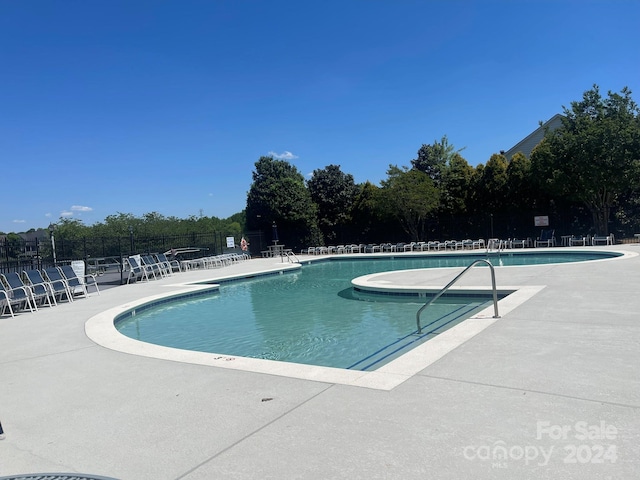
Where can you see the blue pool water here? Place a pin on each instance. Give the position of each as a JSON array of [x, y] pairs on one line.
[[312, 316]]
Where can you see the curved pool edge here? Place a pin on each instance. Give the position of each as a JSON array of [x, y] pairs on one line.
[[408, 281], [101, 329]]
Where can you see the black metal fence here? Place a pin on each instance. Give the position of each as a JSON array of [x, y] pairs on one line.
[[18, 254]]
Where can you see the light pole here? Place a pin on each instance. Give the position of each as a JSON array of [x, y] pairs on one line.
[[52, 227], [131, 239]]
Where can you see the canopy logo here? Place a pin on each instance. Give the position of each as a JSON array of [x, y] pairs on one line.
[[578, 443]]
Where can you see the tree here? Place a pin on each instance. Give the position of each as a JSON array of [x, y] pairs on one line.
[[433, 159], [71, 228], [366, 212], [412, 198], [490, 185], [518, 184], [454, 190], [278, 194], [594, 157], [334, 193]]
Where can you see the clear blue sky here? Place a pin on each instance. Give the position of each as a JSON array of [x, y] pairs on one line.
[[165, 106]]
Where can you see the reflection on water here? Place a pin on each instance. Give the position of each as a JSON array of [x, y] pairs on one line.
[[310, 316]]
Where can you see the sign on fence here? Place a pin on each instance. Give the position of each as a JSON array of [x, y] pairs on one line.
[[541, 221]]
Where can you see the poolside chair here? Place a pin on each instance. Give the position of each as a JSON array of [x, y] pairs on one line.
[[135, 271], [408, 247], [152, 266], [18, 295], [465, 244], [577, 240], [416, 246], [5, 302], [451, 244], [54, 277], [165, 266], [76, 283], [602, 240], [8, 301], [434, 245], [37, 283], [546, 239], [388, 247], [216, 261], [172, 265], [57, 289], [519, 242], [470, 244], [39, 294]]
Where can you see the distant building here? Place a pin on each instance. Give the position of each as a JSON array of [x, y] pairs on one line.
[[22, 245], [528, 143]]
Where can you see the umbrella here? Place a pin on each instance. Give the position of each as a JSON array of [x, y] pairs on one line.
[[274, 232]]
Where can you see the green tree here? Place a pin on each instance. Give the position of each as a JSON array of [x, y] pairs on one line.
[[71, 228], [594, 157], [490, 184], [366, 213], [118, 225], [433, 159], [412, 198], [334, 193], [14, 245], [278, 194], [518, 184], [454, 190]]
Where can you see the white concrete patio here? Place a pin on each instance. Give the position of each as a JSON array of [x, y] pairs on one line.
[[550, 390]]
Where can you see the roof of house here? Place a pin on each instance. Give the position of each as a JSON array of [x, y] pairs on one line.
[[528, 143]]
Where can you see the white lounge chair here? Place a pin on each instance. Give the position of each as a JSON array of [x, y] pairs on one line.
[[579, 240], [519, 242], [77, 283], [546, 239], [135, 271], [602, 239], [17, 292], [8, 300], [54, 277]]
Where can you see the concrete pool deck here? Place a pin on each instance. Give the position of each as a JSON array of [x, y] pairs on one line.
[[550, 390]]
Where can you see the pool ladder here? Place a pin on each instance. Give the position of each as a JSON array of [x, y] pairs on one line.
[[439, 294], [291, 257], [495, 245]]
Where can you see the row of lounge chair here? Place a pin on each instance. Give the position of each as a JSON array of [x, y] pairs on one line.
[[546, 239], [158, 265], [35, 288], [397, 247]]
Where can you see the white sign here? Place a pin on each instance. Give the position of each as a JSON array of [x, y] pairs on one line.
[[231, 242], [541, 221]]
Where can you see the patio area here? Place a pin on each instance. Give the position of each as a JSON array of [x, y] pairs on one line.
[[550, 390]]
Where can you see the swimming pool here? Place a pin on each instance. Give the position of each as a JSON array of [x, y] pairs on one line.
[[313, 317]]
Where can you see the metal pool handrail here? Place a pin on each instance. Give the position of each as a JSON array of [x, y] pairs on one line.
[[291, 257], [439, 294], [495, 245]]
